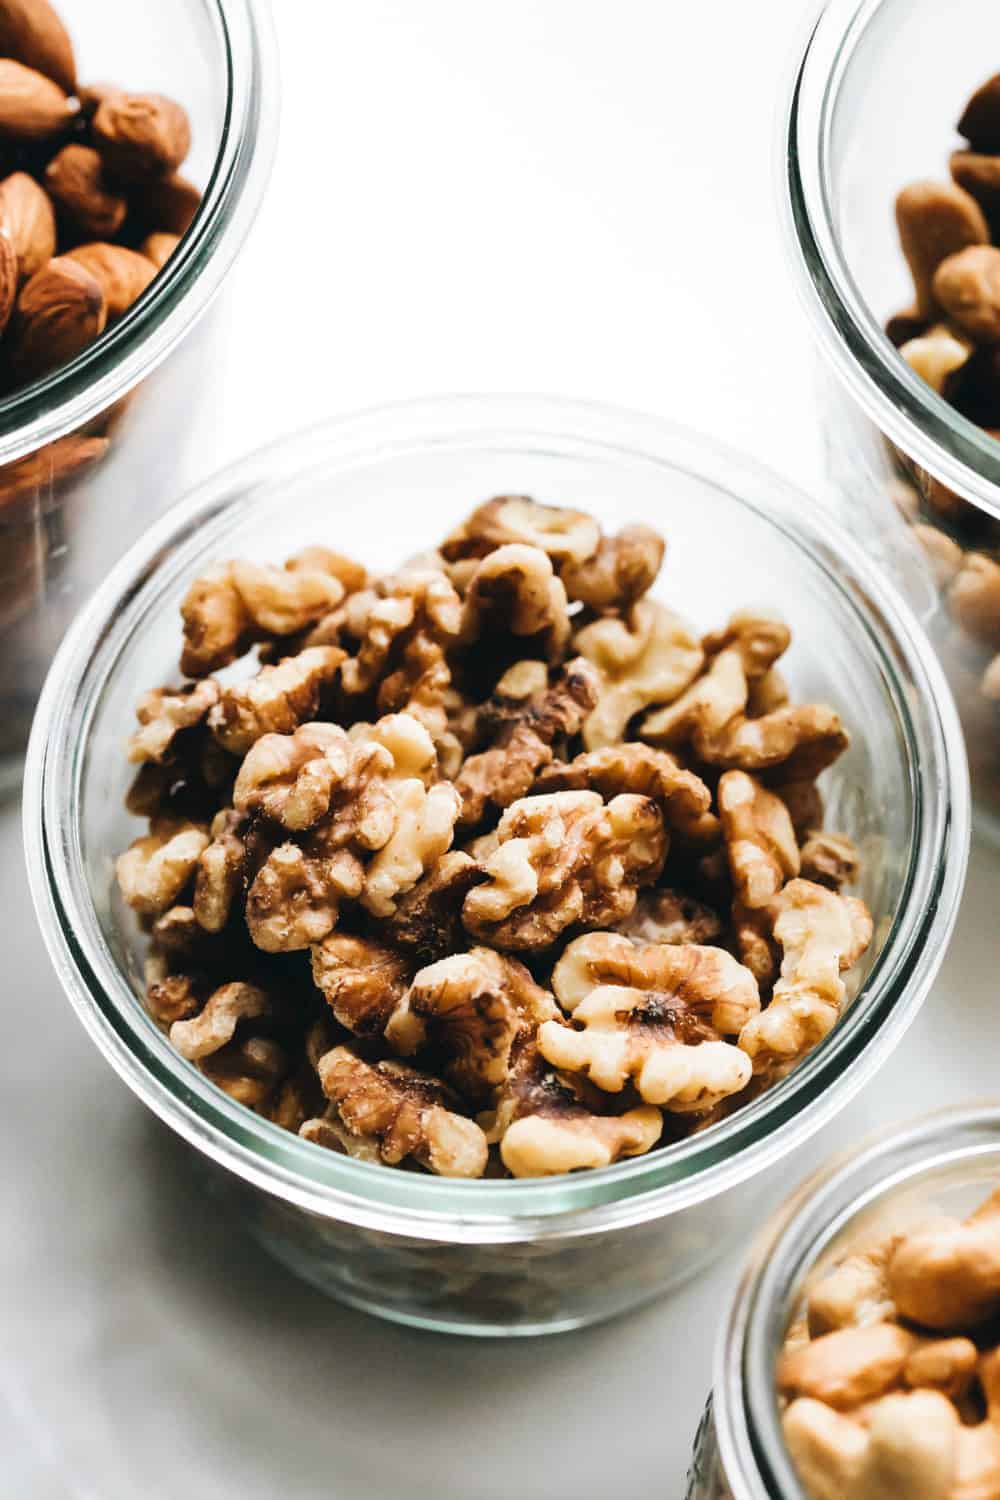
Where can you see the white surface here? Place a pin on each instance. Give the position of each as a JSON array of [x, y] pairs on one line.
[[550, 195]]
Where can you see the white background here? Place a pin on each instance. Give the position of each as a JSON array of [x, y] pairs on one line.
[[551, 195]]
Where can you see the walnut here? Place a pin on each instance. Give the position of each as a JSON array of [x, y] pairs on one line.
[[171, 997], [656, 1041], [155, 869], [402, 1113], [427, 921], [295, 780], [669, 916], [470, 1008], [753, 940], [361, 980], [425, 823], [708, 982], [528, 727], [221, 870], [216, 1026], [804, 801], [800, 740], [564, 535], [822, 935], [166, 712], [515, 591], [622, 569], [682, 797], [650, 656], [248, 1071], [295, 897], [418, 606], [276, 700], [760, 840], [758, 638], [546, 1126], [234, 604], [564, 860], [830, 859]]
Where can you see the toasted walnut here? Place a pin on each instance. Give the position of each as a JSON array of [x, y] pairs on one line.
[[248, 1071], [800, 740], [155, 869], [947, 1275], [648, 657], [907, 1448], [760, 840], [402, 1113], [753, 939], [528, 727], [707, 981], [298, 1099], [361, 980], [294, 779], [668, 916], [470, 1007], [683, 798], [622, 569], [822, 935], [564, 860], [735, 657], [295, 897], [221, 869], [564, 535], [758, 638], [413, 606], [276, 700], [164, 713], [674, 1058], [515, 591], [830, 859], [546, 1126], [234, 604], [424, 827], [805, 805], [171, 997], [216, 1026], [427, 922]]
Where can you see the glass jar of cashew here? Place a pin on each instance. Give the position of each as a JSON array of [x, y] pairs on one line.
[[859, 1358]]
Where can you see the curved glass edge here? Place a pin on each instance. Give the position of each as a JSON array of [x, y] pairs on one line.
[[949, 446], [748, 1426], [298, 1172], [80, 391]]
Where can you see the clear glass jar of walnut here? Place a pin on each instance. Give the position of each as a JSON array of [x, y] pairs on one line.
[[501, 1255], [820, 1267]]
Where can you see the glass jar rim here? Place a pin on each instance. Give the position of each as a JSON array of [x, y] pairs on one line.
[[126, 354], [425, 1207], [916, 418], [754, 1457]]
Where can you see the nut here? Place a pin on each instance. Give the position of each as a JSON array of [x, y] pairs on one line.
[[561, 861], [276, 701], [164, 713], [155, 869], [799, 742], [947, 1276], [361, 980], [221, 870], [427, 921], [248, 1071], [230, 606], [32, 107], [515, 591], [77, 185], [650, 656], [216, 1026], [141, 136], [935, 220], [668, 916], [980, 122], [623, 568], [848, 1366], [830, 859], [28, 220], [682, 797], [32, 33], [402, 1113], [908, 1449], [760, 840], [854, 1292], [123, 275], [967, 287], [974, 598], [8, 280], [979, 175], [563, 535], [158, 248], [937, 355], [59, 312]]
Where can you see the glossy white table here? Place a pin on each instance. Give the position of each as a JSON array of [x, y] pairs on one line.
[[554, 195]]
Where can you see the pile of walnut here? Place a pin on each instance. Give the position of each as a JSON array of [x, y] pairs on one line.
[[492, 851], [950, 236], [892, 1377], [91, 203]]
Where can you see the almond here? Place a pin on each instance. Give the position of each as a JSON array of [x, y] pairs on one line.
[[93, 95], [27, 216], [76, 184], [59, 312], [168, 205], [141, 136], [49, 466], [32, 107], [159, 248], [8, 280], [123, 274], [32, 33]]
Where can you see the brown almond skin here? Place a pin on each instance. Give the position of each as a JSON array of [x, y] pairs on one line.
[[93, 95], [168, 205], [8, 280], [27, 216], [77, 186], [32, 107], [141, 136], [935, 220], [123, 274], [980, 122], [980, 176], [32, 33], [967, 287], [159, 248], [59, 312], [49, 466]]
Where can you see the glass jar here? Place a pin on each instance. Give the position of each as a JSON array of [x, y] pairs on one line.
[[87, 457], [945, 1163], [494, 1257]]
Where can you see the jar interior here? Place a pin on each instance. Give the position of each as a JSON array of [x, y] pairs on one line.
[[388, 504]]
